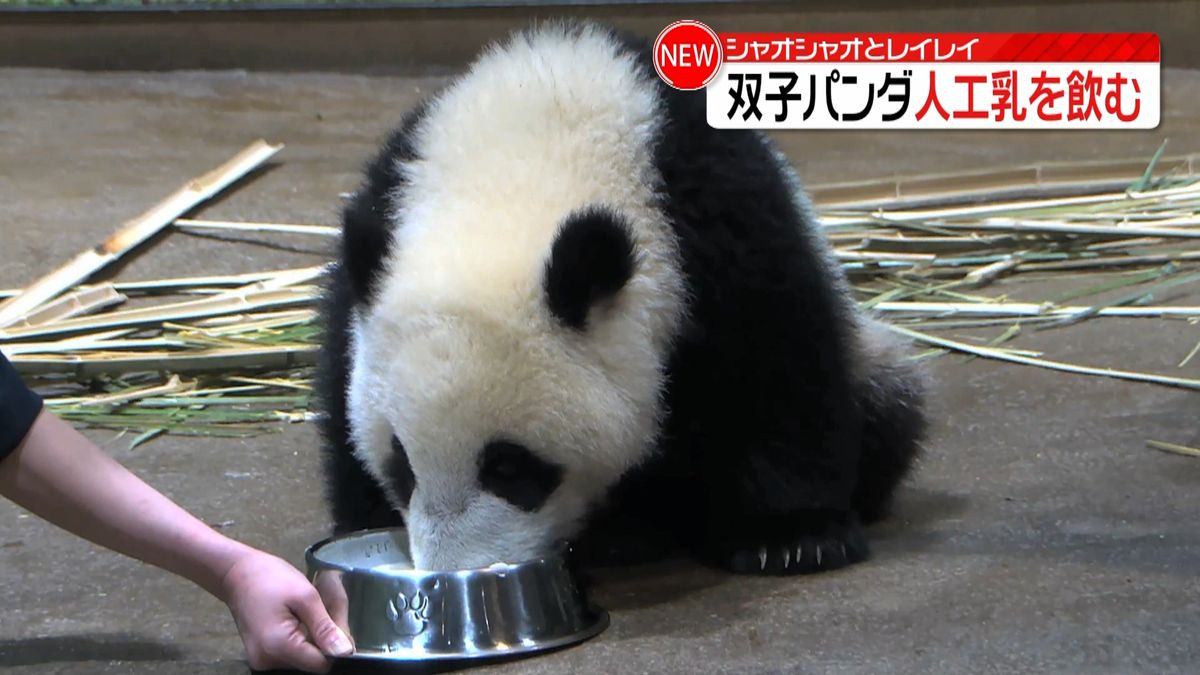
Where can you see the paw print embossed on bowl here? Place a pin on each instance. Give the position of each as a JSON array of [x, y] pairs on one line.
[[394, 612]]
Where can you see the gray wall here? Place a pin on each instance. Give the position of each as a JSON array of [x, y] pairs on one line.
[[399, 40]]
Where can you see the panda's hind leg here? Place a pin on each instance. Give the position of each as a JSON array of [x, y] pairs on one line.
[[781, 506]]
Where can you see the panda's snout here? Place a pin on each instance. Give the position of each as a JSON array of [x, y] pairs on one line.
[[464, 533]]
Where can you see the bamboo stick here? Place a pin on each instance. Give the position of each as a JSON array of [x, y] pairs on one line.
[[77, 303], [192, 225], [1042, 179], [1019, 309], [1046, 227], [135, 231], [226, 303], [875, 218], [85, 343], [197, 361], [1002, 355], [185, 284], [988, 273], [171, 386], [1114, 261], [1174, 448]]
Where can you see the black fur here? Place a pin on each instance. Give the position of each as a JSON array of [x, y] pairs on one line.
[[513, 473], [400, 473], [591, 259], [355, 500], [366, 236], [779, 442]]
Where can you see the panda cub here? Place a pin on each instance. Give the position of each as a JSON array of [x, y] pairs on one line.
[[561, 294]]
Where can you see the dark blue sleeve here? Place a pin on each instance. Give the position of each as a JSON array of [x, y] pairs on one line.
[[19, 407]]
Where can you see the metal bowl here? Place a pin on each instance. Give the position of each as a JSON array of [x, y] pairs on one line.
[[394, 612]]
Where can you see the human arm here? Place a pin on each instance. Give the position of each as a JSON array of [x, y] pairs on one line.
[[57, 474]]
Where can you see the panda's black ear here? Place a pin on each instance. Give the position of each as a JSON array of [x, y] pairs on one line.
[[593, 257]]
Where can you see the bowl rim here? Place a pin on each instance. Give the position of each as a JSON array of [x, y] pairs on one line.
[[561, 553]]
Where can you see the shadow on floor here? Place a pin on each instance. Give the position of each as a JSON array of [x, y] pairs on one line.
[[84, 648]]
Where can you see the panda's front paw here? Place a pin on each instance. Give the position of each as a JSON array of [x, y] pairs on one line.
[[833, 544]]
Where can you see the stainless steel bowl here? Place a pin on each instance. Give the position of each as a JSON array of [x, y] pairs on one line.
[[398, 613]]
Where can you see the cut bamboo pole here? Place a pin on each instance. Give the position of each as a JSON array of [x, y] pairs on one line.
[[135, 231], [76, 303]]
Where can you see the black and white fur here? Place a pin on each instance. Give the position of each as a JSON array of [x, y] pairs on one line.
[[562, 293]]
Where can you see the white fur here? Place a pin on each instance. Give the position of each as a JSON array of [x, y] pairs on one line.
[[460, 349]]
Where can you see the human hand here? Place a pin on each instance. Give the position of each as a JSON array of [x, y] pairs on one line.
[[280, 615]]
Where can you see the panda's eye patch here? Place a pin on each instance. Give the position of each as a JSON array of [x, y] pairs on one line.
[[398, 467], [516, 475]]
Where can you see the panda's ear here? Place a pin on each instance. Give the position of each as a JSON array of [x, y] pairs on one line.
[[593, 257]]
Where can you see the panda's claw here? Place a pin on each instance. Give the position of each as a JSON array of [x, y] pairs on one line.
[[835, 546]]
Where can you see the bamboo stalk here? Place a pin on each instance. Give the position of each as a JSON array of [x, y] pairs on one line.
[[171, 386], [135, 231], [85, 343], [1127, 299], [988, 273], [193, 225], [191, 284], [1003, 355], [1046, 227], [1026, 181], [226, 303], [1189, 356], [76, 303], [867, 256], [1019, 309], [876, 217], [1174, 448], [1109, 262], [197, 361]]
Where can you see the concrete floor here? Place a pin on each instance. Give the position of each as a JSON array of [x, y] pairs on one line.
[[1039, 535]]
